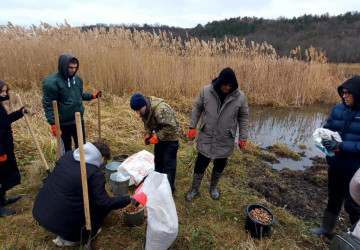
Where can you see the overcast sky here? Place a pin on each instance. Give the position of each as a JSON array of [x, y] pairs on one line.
[[178, 13]]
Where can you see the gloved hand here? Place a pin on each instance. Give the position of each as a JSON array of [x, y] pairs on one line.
[[3, 158], [192, 134], [151, 140], [53, 127], [242, 144], [24, 110], [331, 145], [97, 94], [134, 202]]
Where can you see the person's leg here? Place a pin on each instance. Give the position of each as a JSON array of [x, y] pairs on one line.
[[219, 166], [159, 157], [74, 134], [170, 161], [66, 136], [202, 162]]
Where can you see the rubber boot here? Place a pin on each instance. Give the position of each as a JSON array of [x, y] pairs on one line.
[[6, 212], [327, 225], [195, 187], [10, 200], [214, 192]]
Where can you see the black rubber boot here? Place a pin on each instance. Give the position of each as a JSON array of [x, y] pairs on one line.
[[327, 226], [10, 200], [195, 187], [214, 192], [6, 212]]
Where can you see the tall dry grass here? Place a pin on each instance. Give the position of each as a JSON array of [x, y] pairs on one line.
[[124, 61]]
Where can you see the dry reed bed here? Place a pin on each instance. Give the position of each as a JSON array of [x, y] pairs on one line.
[[124, 61]]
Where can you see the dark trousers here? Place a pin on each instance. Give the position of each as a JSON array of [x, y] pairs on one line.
[[165, 160], [202, 162], [9, 173], [69, 131], [338, 193]]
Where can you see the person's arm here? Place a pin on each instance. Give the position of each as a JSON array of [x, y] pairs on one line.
[[50, 94], [98, 194], [197, 110], [84, 95], [166, 121], [16, 115], [243, 119]]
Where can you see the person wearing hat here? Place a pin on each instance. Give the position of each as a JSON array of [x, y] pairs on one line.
[[66, 87], [224, 108], [161, 129], [344, 119]]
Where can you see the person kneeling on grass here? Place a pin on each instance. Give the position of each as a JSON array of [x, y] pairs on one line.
[[59, 206]]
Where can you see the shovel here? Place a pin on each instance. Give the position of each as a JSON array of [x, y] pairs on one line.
[[35, 140], [99, 117], [58, 133], [83, 178]]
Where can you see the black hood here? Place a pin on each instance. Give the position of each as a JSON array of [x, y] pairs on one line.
[[353, 85], [63, 66], [227, 75]]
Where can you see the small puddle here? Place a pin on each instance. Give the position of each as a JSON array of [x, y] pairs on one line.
[[291, 127]]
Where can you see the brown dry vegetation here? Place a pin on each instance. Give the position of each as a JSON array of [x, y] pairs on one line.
[[121, 62]]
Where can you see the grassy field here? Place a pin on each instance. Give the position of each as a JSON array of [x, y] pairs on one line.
[[203, 224]]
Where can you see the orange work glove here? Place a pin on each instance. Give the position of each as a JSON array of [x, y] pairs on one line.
[[192, 134], [151, 140], [53, 127], [97, 94], [242, 144], [24, 110], [3, 158]]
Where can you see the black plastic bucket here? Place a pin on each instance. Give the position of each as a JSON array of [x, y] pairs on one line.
[[256, 228]]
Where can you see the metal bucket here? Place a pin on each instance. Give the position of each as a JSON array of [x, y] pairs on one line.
[[120, 183], [111, 168], [256, 228], [134, 219]]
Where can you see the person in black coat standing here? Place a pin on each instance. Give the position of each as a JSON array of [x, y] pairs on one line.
[[59, 206], [9, 172]]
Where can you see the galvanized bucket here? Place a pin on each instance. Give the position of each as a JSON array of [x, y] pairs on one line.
[[120, 183]]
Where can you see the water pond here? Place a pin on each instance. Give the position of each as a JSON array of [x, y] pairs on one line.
[[291, 127]]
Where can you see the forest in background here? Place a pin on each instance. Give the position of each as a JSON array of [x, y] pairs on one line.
[[338, 36]]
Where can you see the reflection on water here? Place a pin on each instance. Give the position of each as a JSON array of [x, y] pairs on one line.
[[292, 127]]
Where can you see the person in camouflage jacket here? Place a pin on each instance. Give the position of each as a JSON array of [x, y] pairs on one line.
[[160, 118]]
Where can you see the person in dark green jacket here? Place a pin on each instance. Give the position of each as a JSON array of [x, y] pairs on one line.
[[160, 118], [66, 88]]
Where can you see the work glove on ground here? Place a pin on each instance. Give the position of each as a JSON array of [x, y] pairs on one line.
[[151, 140], [134, 202], [242, 144], [192, 134], [331, 145], [53, 127], [97, 94], [24, 110], [3, 158]]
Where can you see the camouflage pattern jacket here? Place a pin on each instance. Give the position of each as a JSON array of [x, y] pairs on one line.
[[162, 120]]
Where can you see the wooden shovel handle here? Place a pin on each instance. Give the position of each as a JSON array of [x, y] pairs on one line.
[[99, 117], [57, 124], [33, 136], [83, 170]]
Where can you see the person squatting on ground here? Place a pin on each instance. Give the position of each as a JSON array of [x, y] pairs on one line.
[[344, 119], [9, 172], [224, 107], [159, 117], [59, 206], [66, 88]]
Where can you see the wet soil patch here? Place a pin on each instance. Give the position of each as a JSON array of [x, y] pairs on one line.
[[302, 193]]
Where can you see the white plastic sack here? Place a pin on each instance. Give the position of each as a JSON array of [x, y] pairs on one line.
[[162, 225], [355, 194], [138, 166], [323, 133]]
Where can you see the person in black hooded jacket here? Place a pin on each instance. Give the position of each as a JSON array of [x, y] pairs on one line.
[[66, 88], [59, 206], [9, 172], [344, 119]]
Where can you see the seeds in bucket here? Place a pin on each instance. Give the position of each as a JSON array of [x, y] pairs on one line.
[[131, 209], [261, 215]]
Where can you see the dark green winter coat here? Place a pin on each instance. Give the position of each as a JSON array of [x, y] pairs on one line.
[[67, 91], [162, 120]]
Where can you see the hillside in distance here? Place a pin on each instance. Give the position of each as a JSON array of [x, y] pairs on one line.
[[338, 35]]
